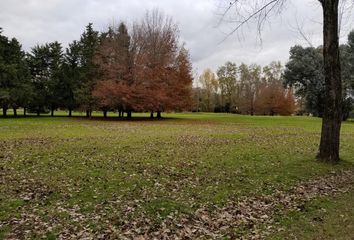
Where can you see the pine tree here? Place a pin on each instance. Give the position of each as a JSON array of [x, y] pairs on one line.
[[88, 71]]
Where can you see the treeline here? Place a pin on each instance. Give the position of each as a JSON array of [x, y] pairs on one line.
[[245, 89], [296, 88], [144, 68]]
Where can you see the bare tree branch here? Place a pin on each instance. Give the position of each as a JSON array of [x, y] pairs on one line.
[[258, 10]]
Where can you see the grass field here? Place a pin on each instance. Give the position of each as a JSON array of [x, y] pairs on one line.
[[62, 177]]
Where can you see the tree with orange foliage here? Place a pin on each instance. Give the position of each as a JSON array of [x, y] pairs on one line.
[[146, 72], [180, 82], [273, 98], [114, 90]]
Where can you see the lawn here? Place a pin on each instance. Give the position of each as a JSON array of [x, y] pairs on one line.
[[75, 177]]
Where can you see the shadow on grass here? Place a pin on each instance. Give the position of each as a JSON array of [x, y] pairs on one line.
[[95, 118]]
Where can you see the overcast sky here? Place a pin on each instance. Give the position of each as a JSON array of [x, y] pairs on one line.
[[40, 21]]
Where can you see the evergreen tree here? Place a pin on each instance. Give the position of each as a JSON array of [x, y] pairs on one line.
[[89, 42], [14, 77], [55, 76], [71, 77], [39, 64]]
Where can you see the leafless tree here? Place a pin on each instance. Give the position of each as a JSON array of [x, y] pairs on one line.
[[259, 12]]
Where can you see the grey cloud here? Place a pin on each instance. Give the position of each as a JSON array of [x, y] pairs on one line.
[[38, 21]]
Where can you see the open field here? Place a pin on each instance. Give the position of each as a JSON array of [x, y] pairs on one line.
[[96, 178]]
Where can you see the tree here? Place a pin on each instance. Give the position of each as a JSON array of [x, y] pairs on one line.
[[14, 76], [155, 48], [71, 76], [89, 42], [227, 76], [210, 85], [180, 83], [39, 64], [148, 71], [159, 64], [114, 88], [274, 99], [347, 62], [55, 83], [249, 86], [21, 93], [45, 63], [332, 114], [304, 72]]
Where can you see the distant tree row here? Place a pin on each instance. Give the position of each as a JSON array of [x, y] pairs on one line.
[[144, 69], [305, 73], [245, 89], [297, 88]]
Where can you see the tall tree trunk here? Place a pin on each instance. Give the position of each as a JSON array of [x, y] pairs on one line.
[[332, 115], [105, 114], [24, 111], [119, 113], [70, 112], [152, 115], [87, 113], [4, 111], [15, 112], [158, 115]]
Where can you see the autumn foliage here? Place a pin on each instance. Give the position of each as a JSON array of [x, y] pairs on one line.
[[245, 89], [146, 71]]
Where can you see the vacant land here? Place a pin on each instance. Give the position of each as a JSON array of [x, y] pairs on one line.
[[187, 176]]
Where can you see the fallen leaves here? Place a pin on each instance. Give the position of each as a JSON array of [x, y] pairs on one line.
[[161, 180], [246, 218]]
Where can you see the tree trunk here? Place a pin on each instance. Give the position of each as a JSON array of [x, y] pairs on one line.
[[87, 113], [70, 112], [15, 112], [158, 115], [129, 114], [4, 111], [119, 113], [152, 115], [332, 114], [105, 114]]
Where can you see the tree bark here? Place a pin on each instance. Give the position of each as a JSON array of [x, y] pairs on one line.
[[52, 112], [129, 114], [4, 111], [152, 115], [15, 112], [158, 115], [87, 113], [70, 112], [332, 114], [105, 114]]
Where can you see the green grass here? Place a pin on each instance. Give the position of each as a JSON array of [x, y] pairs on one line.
[[174, 165]]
